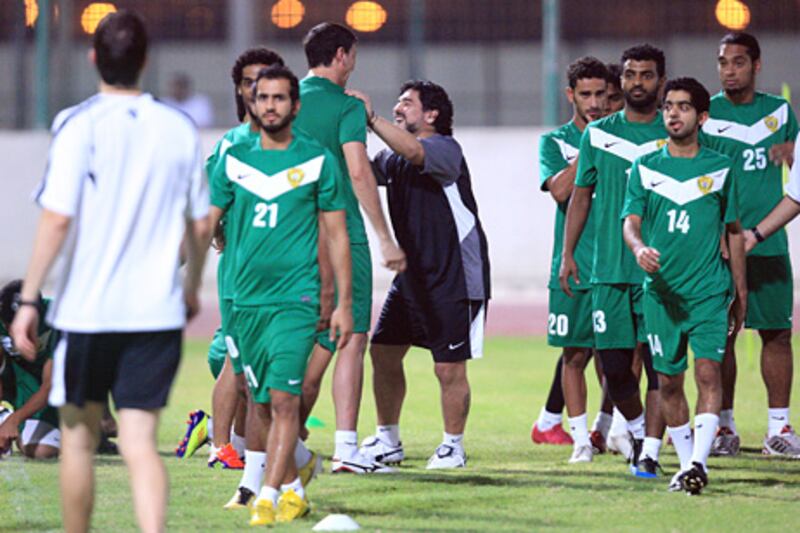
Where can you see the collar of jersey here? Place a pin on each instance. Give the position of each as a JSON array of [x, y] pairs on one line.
[[323, 82]]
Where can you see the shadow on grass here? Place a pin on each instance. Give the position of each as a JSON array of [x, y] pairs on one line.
[[28, 525]]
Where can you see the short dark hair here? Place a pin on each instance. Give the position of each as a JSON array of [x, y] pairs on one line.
[[701, 100], [646, 52], [584, 68], [120, 46], [744, 39], [322, 41], [252, 56], [614, 75], [433, 97], [10, 297], [281, 72]]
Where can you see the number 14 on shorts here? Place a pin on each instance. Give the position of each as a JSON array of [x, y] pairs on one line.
[[655, 345]]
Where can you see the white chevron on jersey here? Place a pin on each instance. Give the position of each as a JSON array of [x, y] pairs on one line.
[[621, 147], [682, 192], [753, 134], [270, 187], [568, 152], [224, 144]]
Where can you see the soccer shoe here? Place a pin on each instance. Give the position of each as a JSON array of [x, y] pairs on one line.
[[377, 450], [227, 458], [358, 464], [242, 499], [196, 434], [694, 480], [262, 513], [447, 456], [675, 482], [726, 443], [620, 443], [310, 470], [291, 506], [581, 454], [648, 468], [636, 452], [554, 435], [598, 442], [784, 444]]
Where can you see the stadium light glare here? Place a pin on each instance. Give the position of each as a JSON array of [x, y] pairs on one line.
[[366, 16], [31, 12], [287, 14], [94, 13], [733, 14]]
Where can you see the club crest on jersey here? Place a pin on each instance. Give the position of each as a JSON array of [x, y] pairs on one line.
[[704, 183], [660, 143], [771, 123], [295, 176]]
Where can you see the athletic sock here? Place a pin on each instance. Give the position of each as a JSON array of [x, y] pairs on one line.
[[253, 475], [651, 447], [705, 429], [238, 443], [456, 441], [578, 430], [346, 444], [636, 427], [296, 486], [619, 426], [778, 419], [301, 454], [602, 423], [270, 494], [682, 441], [726, 419], [210, 428], [389, 434], [212, 451], [548, 420]]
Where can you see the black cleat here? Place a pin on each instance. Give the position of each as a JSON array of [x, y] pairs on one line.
[[636, 451], [648, 468], [694, 480]]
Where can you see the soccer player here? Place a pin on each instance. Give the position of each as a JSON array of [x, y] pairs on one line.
[[337, 121], [608, 147], [440, 301], [125, 183], [757, 130], [570, 319], [683, 199], [615, 100], [273, 191]]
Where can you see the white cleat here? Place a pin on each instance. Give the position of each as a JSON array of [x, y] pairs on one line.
[[581, 454], [447, 456], [358, 464], [784, 444], [377, 450], [620, 443]]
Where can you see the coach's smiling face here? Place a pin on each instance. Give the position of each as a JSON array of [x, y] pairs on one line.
[[409, 114]]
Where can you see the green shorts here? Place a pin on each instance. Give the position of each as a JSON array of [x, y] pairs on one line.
[[770, 291], [228, 328], [275, 341], [216, 353], [362, 296], [617, 318], [569, 321], [701, 323]]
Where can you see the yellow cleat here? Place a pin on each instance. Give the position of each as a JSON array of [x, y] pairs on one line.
[[291, 506], [242, 499], [262, 513], [310, 470]]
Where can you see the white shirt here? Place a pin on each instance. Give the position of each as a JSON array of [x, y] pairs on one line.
[[793, 187], [128, 171], [197, 106]]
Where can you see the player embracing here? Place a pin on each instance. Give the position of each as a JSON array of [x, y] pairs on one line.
[[683, 199]]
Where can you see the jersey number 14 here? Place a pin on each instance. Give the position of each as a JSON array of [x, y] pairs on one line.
[[678, 221], [266, 215]]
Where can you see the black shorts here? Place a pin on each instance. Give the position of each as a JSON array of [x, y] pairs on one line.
[[452, 331], [137, 368]]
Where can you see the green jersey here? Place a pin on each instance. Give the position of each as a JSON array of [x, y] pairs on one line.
[[684, 203], [240, 134], [273, 198], [608, 147], [557, 150], [333, 119], [745, 133]]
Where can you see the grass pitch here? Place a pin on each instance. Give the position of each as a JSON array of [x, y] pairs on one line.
[[509, 484]]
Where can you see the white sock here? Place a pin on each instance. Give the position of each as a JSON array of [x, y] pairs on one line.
[[253, 475], [651, 447], [578, 430], [548, 420], [212, 451], [270, 494], [602, 423], [238, 443], [705, 429], [296, 486], [301, 454], [346, 444], [636, 427], [619, 426], [684, 444], [778, 418], [726, 419], [456, 441], [389, 434], [210, 428]]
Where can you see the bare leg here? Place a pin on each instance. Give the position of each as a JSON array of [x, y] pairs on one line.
[[348, 380], [312, 382], [388, 381], [673, 400], [257, 425], [455, 395], [40, 451], [224, 399], [80, 434], [574, 380], [776, 366], [708, 376], [606, 405], [285, 411], [729, 374]]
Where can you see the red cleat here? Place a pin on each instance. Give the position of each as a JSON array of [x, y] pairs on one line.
[[554, 435], [598, 442], [227, 458]]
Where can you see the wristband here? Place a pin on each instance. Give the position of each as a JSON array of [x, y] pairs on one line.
[[31, 303], [757, 234]]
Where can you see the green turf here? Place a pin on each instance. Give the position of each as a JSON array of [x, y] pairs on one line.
[[509, 485]]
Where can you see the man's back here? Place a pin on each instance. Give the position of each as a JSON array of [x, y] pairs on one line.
[[127, 169]]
